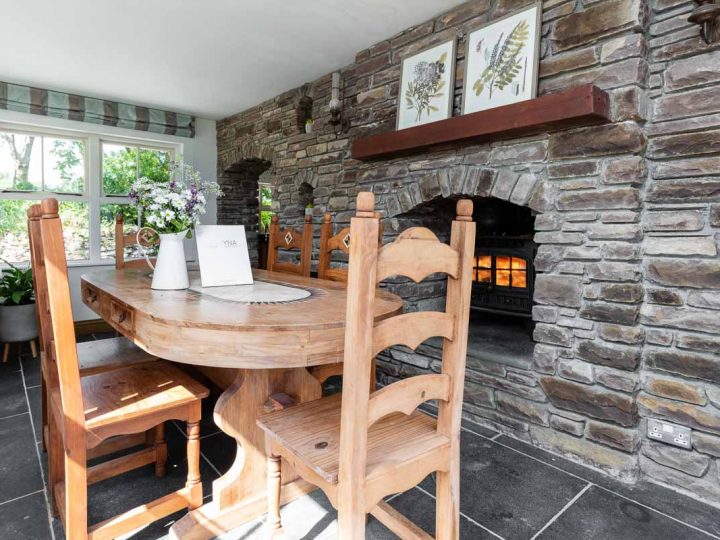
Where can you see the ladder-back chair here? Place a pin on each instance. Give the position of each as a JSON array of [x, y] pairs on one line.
[[287, 239], [123, 240], [330, 243], [361, 447], [93, 357], [93, 408]]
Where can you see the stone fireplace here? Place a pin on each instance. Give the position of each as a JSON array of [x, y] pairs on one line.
[[596, 284]]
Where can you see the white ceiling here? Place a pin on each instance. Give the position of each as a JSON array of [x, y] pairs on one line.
[[211, 58]]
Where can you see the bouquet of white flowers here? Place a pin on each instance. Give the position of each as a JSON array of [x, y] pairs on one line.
[[174, 206]]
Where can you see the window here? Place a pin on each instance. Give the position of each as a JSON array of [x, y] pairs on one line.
[[89, 175], [502, 271], [265, 196]]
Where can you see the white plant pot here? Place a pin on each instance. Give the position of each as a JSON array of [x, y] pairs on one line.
[[18, 323]]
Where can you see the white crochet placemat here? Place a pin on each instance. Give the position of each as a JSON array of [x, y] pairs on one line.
[[259, 292]]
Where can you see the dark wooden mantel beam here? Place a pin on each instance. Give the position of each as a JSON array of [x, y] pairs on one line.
[[574, 107]]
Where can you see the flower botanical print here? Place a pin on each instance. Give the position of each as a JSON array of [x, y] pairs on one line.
[[504, 61], [427, 84]]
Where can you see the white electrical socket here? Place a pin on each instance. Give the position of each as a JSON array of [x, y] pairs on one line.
[[669, 433]]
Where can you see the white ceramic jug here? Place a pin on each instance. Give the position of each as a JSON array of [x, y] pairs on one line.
[[170, 269]]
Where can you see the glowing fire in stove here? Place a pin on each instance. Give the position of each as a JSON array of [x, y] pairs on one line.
[[501, 270]]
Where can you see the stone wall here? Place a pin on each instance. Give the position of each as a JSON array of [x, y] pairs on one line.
[[627, 273]]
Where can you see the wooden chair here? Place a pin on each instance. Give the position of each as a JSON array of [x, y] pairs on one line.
[[290, 238], [328, 244], [123, 240], [357, 447], [87, 410], [93, 356]]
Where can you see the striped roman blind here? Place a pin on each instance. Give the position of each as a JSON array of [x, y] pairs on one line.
[[15, 97]]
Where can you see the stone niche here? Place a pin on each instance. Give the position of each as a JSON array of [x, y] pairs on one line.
[[625, 224]]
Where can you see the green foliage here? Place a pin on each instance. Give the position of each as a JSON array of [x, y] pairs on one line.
[[504, 63], [123, 165], [70, 154], [16, 286]]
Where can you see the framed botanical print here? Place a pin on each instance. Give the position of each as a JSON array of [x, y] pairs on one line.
[[426, 86], [502, 61]]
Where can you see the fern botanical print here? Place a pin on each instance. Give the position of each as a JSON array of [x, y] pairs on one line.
[[501, 65], [426, 85], [504, 63]]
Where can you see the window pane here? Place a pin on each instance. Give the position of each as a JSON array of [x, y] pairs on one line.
[[485, 261], [20, 162], [155, 165], [502, 278], [519, 279], [107, 229], [502, 262], [119, 168], [13, 230], [484, 276], [520, 264], [265, 195], [76, 229], [64, 165]]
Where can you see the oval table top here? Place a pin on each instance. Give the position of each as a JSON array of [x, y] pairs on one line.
[[205, 326]]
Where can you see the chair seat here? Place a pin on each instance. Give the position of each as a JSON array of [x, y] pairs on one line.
[[311, 433], [107, 354], [124, 394]]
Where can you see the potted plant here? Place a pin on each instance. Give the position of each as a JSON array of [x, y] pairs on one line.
[[309, 125], [18, 316]]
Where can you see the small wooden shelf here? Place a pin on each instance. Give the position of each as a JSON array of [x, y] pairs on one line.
[[574, 107]]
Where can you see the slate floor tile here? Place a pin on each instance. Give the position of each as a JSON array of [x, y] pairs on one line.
[[12, 394], [510, 494], [19, 467], [601, 515], [25, 518], [34, 396], [31, 370], [669, 502]]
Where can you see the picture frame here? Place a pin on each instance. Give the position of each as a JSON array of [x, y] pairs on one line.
[[518, 71], [420, 82]]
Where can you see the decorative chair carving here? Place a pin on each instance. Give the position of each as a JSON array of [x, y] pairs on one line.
[[290, 239]]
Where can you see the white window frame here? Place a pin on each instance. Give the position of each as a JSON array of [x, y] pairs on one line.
[[93, 186]]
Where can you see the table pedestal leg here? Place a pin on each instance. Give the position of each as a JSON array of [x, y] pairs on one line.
[[240, 495]]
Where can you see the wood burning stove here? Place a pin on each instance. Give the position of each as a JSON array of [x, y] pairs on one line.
[[503, 275]]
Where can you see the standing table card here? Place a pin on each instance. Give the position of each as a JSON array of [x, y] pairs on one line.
[[223, 255]]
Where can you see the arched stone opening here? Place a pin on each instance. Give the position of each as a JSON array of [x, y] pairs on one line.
[[240, 203]]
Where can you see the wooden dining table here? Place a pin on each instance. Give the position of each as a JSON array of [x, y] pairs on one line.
[[261, 339]]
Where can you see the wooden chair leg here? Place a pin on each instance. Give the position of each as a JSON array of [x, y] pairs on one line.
[[274, 485], [160, 450], [6, 352], [447, 505], [76, 525], [193, 456], [44, 412], [33, 348], [56, 464], [351, 523]]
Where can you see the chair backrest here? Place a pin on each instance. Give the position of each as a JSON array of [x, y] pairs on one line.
[[416, 253], [337, 242], [123, 240], [330, 243], [61, 354], [287, 239], [39, 279]]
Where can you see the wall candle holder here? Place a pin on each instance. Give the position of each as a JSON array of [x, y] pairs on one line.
[[707, 15]]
